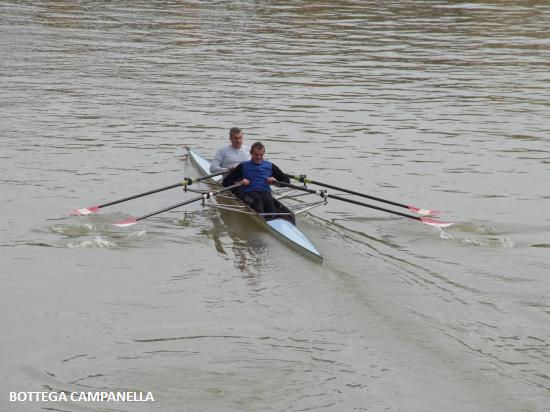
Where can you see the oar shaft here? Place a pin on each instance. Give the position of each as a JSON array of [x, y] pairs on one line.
[[150, 192], [343, 199], [186, 182], [195, 199], [341, 189], [205, 195]]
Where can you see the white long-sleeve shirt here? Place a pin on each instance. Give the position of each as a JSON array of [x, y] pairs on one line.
[[228, 157]]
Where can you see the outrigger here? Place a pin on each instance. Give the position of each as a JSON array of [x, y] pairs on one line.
[[283, 223]]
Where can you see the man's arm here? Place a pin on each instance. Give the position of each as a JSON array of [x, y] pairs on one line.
[[234, 176], [215, 165], [278, 174]]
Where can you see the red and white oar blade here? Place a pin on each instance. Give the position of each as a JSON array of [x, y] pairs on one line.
[[126, 223], [85, 211], [436, 223], [424, 212]]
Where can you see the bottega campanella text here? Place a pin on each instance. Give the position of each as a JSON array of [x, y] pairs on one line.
[[103, 396]]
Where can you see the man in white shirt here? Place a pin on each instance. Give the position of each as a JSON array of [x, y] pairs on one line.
[[229, 156]]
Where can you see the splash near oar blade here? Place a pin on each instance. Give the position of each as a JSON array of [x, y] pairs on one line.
[[85, 211], [125, 223], [435, 223]]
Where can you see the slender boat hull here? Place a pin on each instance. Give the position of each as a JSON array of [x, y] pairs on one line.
[[284, 228]]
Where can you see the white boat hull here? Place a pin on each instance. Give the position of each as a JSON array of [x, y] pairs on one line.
[[284, 229]]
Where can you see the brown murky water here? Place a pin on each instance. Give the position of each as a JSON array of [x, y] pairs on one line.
[[441, 105]]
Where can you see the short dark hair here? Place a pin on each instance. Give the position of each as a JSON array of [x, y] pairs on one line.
[[258, 146], [233, 131]]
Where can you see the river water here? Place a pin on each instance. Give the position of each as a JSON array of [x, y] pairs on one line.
[[437, 104]]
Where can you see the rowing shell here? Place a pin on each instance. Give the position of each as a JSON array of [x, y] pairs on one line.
[[284, 227]]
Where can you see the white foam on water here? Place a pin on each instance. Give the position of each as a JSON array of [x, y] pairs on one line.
[[97, 243], [504, 242], [138, 234], [444, 235]]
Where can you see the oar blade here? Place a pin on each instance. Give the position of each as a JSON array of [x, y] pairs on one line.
[[435, 223], [424, 212], [125, 223], [85, 211]]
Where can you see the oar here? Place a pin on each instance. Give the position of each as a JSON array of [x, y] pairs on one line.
[[186, 182], [420, 211], [206, 195], [324, 194]]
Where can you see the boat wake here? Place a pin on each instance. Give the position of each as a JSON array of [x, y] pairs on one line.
[[97, 242], [482, 241], [97, 234]]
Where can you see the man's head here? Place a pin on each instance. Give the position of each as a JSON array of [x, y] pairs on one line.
[[236, 137], [257, 152]]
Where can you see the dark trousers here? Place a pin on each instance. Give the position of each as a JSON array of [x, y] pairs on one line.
[[261, 202], [238, 191]]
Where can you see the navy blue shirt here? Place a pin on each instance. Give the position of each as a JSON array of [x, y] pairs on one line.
[[257, 174]]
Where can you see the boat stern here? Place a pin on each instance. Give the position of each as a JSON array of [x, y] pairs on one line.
[[287, 231]]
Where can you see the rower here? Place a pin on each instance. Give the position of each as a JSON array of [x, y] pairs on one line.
[[257, 175], [229, 156]]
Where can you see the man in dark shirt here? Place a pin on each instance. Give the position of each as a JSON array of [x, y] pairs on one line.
[[257, 175]]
